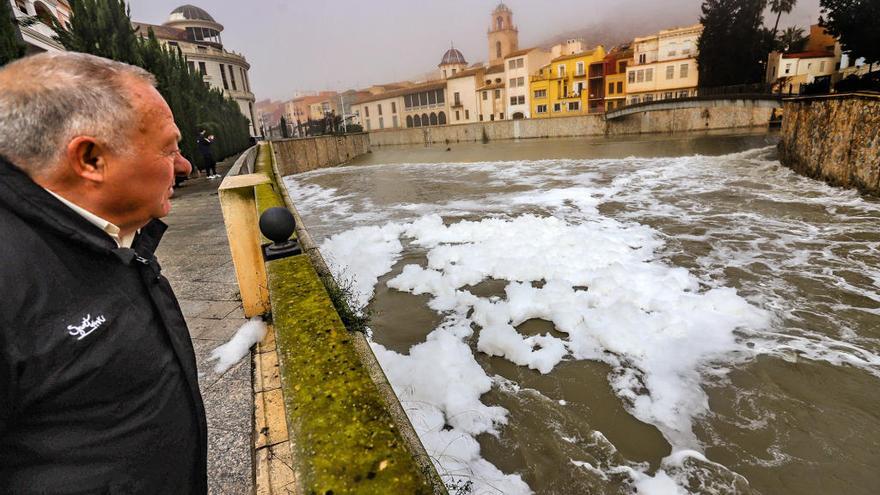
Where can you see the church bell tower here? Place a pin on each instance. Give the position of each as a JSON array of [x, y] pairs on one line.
[[503, 35]]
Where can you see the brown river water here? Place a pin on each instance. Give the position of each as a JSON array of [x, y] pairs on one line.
[[665, 314]]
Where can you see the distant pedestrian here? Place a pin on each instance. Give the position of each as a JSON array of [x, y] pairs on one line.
[[209, 165]]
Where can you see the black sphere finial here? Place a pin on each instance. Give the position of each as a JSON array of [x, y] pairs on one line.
[[277, 224]]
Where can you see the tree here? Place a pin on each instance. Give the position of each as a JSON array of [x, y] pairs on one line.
[[11, 46], [854, 23], [792, 39], [285, 133], [779, 7], [100, 27], [734, 45]]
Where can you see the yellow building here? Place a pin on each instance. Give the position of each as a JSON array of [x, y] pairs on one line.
[[664, 66], [567, 85], [616, 63]]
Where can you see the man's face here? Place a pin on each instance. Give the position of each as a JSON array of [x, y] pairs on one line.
[[140, 174]]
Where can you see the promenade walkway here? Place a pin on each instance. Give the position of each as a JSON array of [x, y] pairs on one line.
[[195, 257]]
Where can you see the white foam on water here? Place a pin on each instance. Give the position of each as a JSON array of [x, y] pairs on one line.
[[608, 286]]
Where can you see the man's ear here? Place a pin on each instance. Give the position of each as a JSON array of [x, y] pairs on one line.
[[86, 157]]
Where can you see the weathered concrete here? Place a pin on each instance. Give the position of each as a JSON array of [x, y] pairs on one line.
[[834, 138], [295, 156], [195, 257], [698, 115]]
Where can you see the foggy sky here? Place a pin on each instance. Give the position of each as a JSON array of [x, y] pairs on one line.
[[348, 44]]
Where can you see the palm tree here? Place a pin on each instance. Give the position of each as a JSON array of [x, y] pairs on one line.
[[792, 39], [778, 7]]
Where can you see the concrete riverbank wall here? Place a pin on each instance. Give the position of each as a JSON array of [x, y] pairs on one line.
[[669, 117], [835, 138], [295, 156]]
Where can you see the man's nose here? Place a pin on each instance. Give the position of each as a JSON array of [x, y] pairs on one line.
[[182, 166]]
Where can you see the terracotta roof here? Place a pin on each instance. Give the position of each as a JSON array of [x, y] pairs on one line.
[[813, 54], [521, 52], [162, 32], [467, 73], [588, 53], [405, 91], [492, 69]]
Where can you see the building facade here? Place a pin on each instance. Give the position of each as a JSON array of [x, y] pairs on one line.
[[518, 67], [462, 91], [198, 36], [39, 36], [616, 63], [491, 95], [664, 65], [567, 85], [421, 105]]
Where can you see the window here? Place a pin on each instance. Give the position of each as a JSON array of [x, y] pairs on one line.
[[379, 111], [381, 123], [513, 100], [631, 76], [611, 88], [787, 68], [467, 114], [561, 71], [22, 6], [223, 75], [643, 58], [441, 118], [497, 94], [511, 64], [499, 22], [232, 78], [579, 71], [432, 98], [540, 93], [441, 97], [672, 53], [619, 87], [202, 68], [417, 121], [433, 118], [457, 116], [522, 99], [492, 117], [640, 76], [393, 107], [407, 102], [541, 109], [621, 67], [683, 94], [244, 81], [485, 95], [457, 98], [425, 120], [497, 49], [366, 111], [574, 106], [394, 121], [684, 70], [649, 75], [520, 81], [667, 95], [191, 65], [501, 116], [454, 70], [649, 98], [556, 107], [513, 83], [670, 72], [423, 99], [481, 117], [634, 100]]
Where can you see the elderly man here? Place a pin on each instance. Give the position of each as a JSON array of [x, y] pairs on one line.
[[98, 384]]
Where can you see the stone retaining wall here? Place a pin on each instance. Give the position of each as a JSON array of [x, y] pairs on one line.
[[295, 156], [834, 138], [681, 117]]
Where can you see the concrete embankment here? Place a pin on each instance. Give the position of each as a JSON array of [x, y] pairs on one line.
[[835, 138], [295, 156], [699, 115]]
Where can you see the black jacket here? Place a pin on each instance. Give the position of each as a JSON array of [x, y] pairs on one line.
[[98, 385]]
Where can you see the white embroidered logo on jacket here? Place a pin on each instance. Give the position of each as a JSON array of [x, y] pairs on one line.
[[87, 326]]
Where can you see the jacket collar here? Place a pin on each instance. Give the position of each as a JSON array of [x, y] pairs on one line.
[[27, 200]]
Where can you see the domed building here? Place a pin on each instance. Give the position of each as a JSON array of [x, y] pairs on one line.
[[199, 38], [452, 63]]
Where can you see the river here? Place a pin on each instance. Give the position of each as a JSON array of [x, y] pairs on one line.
[[665, 314]]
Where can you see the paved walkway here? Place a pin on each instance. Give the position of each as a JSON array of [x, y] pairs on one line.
[[195, 257]]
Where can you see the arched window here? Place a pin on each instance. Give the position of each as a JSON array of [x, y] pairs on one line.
[[409, 121], [417, 121], [433, 118], [425, 120], [497, 49], [43, 13], [499, 22], [21, 5], [441, 119], [518, 115]]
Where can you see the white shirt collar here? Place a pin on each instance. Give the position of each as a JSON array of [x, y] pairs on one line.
[[109, 228]]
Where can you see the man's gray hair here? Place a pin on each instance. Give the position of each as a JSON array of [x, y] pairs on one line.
[[48, 99]]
